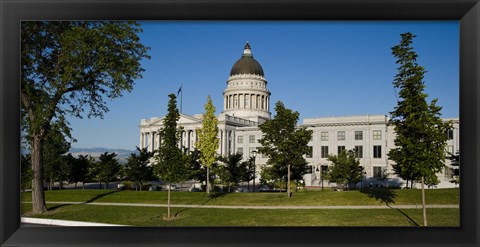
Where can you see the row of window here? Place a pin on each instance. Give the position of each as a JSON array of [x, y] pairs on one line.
[[358, 135], [358, 151], [377, 135]]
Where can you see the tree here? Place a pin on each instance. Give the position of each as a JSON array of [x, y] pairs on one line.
[[68, 67], [56, 167], [455, 162], [78, 170], [233, 170], [26, 172], [420, 132], [108, 168], [138, 168], [285, 144], [207, 139], [345, 169], [170, 163]]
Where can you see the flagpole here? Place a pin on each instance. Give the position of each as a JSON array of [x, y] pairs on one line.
[[181, 96]]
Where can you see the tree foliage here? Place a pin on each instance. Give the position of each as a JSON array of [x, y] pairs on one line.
[[171, 163], [420, 140], [67, 68], [208, 138], [138, 168], [455, 163], [420, 132], [283, 143], [26, 172], [233, 170], [345, 169], [78, 171], [107, 168], [56, 166]]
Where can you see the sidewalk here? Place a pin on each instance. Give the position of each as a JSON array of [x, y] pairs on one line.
[[51, 222], [258, 207]]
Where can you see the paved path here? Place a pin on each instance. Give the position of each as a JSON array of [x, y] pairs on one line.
[[257, 207]]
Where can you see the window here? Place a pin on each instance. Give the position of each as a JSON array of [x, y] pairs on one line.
[[448, 173], [240, 150], [358, 135], [250, 151], [377, 172], [449, 134], [358, 152], [340, 149], [310, 152], [251, 139], [377, 152], [324, 136], [324, 169], [240, 139], [341, 135], [377, 135], [324, 153], [450, 149]]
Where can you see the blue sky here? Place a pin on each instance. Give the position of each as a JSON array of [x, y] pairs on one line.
[[319, 69]]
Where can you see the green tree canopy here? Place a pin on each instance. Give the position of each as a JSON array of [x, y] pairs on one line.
[[420, 141], [284, 144], [233, 170], [67, 68], [138, 168], [171, 165], [108, 168], [208, 139], [345, 169]]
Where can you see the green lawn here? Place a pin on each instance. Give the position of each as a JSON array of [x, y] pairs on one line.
[[305, 198], [147, 216], [154, 216]]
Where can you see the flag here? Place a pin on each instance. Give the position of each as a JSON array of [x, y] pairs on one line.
[[179, 90]]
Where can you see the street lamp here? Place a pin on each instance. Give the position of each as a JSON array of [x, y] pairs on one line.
[[254, 154]]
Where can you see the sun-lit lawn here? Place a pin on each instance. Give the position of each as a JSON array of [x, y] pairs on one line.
[[304, 198], [148, 216]]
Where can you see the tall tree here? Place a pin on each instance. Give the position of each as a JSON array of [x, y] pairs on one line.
[[69, 67], [170, 163], [108, 168], [285, 144], [345, 169], [26, 172], [56, 167], [233, 170], [138, 168], [420, 132], [455, 163], [207, 139], [78, 170]]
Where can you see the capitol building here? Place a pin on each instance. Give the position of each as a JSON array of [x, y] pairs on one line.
[[247, 104]]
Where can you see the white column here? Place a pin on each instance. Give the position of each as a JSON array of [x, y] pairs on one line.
[[141, 140], [151, 141]]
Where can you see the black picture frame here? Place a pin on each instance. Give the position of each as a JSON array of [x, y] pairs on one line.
[[467, 12]]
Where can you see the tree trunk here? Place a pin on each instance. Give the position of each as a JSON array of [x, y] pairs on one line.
[[76, 185], [168, 208], [38, 194], [288, 182], [83, 185], [100, 186], [423, 203], [208, 181]]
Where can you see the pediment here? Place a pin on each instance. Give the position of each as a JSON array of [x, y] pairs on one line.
[[184, 119]]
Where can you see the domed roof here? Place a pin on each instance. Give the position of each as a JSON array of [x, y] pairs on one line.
[[247, 64]]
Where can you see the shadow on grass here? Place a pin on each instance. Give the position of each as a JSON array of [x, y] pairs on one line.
[[385, 195], [406, 216], [213, 196], [101, 195], [52, 208]]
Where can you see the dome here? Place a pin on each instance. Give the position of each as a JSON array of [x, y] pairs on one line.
[[247, 64]]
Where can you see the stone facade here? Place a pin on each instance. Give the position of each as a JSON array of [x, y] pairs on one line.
[[247, 104]]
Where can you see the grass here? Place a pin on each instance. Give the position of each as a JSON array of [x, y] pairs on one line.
[[305, 198], [147, 216], [154, 216]]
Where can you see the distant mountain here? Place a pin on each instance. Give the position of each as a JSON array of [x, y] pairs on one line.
[[122, 154]]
